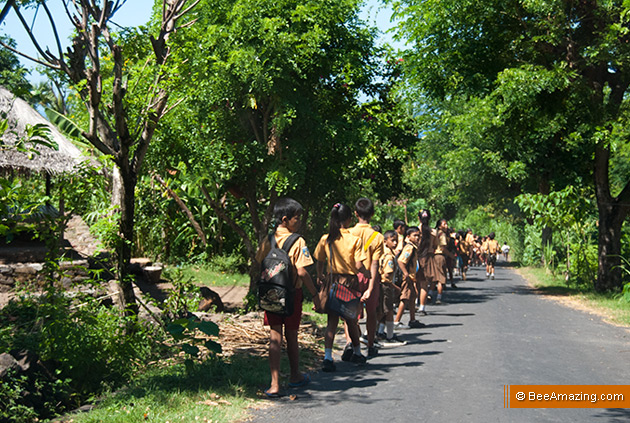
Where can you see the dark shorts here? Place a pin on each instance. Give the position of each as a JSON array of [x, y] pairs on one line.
[[388, 298], [408, 290], [492, 259], [291, 322]]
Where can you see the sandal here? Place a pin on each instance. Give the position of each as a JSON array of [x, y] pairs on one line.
[[305, 381], [272, 395]]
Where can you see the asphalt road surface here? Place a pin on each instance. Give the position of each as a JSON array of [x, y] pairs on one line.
[[486, 334]]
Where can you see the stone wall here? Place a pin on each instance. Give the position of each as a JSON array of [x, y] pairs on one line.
[[70, 272]]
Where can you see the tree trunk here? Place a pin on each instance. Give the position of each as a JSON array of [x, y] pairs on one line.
[[547, 233], [609, 249], [612, 213], [127, 296]]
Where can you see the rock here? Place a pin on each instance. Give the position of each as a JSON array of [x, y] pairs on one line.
[[25, 270], [210, 299], [7, 363]]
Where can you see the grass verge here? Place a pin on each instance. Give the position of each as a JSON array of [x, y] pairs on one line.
[[218, 390], [212, 277], [610, 306]]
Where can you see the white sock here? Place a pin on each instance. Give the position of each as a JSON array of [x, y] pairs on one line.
[[328, 354], [422, 307], [439, 297], [381, 327], [390, 330], [357, 349]]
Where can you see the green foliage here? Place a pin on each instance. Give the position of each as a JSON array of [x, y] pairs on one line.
[[185, 295], [227, 263], [570, 214], [85, 345], [13, 76], [189, 334]]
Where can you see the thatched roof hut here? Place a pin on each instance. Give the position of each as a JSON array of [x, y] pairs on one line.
[[19, 114]]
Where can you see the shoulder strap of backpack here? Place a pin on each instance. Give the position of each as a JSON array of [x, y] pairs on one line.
[[290, 241]]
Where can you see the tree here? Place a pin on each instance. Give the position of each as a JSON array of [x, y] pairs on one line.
[[117, 126], [552, 78], [12, 73], [278, 114]]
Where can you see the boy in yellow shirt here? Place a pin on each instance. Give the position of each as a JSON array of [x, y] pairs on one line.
[[288, 214], [387, 267], [408, 263]]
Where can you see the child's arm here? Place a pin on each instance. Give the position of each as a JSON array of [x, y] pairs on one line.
[[320, 270], [308, 283], [373, 271]]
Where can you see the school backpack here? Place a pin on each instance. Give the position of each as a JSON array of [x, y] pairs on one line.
[[275, 286], [398, 274]]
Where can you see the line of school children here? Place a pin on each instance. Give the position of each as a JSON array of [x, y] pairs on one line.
[[403, 266]]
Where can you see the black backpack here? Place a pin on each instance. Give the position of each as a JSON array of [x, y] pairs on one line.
[[275, 286]]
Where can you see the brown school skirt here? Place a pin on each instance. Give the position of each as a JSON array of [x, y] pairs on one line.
[[424, 275], [439, 267]]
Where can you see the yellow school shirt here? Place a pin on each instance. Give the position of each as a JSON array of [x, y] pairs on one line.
[[347, 250], [374, 249], [387, 266], [442, 242], [409, 259], [298, 254]]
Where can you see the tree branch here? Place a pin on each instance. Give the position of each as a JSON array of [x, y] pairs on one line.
[[185, 209], [221, 213]]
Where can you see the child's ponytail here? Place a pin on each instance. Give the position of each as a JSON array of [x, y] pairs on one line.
[[339, 214]]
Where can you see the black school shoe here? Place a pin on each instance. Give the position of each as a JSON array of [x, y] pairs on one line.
[[347, 352], [372, 352], [328, 366], [358, 359]]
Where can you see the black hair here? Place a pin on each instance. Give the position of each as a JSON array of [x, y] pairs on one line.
[[364, 208], [491, 235], [398, 223], [339, 214], [288, 207], [377, 228], [411, 230], [425, 233], [439, 223], [390, 234]]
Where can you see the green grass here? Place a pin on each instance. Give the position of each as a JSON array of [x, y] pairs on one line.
[[211, 277], [220, 391], [611, 306]]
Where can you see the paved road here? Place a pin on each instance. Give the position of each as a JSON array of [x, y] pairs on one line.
[[487, 334]]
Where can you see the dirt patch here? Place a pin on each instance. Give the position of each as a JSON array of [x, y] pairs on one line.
[[575, 302]]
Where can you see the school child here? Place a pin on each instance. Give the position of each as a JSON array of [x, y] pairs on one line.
[[387, 267], [506, 251], [439, 257], [372, 242], [344, 263], [451, 257], [288, 215], [463, 250], [408, 265], [491, 248], [425, 278], [401, 229]]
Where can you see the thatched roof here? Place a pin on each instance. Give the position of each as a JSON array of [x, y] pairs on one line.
[[19, 114]]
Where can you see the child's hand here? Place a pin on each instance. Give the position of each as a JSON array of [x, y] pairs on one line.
[[366, 296]]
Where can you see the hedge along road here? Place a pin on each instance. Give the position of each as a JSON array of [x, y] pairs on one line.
[[486, 334]]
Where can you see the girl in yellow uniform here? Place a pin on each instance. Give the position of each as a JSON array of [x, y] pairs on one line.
[[344, 263]]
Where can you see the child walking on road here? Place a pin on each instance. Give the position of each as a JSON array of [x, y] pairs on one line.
[[345, 255]]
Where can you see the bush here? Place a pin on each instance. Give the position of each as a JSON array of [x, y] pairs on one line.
[[86, 348], [228, 263]]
